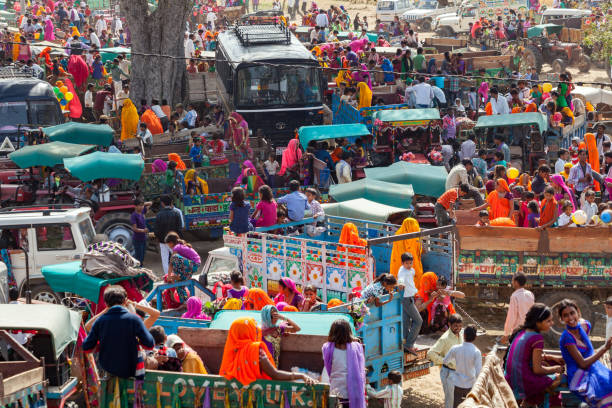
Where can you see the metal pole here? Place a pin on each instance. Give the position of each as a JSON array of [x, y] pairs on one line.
[[28, 292]]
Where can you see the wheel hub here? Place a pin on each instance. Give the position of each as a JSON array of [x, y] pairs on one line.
[[45, 296], [122, 234]]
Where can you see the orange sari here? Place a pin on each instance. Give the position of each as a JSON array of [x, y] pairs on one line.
[[548, 209], [429, 282], [412, 246], [241, 352], [153, 123], [591, 146], [499, 206], [256, 299], [180, 164]]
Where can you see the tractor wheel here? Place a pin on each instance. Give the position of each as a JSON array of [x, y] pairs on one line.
[[426, 25], [117, 227], [584, 63], [531, 57], [558, 65], [552, 299]]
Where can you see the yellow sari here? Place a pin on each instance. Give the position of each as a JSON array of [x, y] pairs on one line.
[[412, 246], [343, 76], [365, 95], [129, 120], [201, 184]]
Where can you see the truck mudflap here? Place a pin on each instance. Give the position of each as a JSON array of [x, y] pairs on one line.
[[168, 389]]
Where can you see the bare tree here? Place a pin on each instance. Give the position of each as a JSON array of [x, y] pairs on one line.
[[160, 32]]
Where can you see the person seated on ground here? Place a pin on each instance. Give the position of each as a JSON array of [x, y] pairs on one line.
[[190, 361], [527, 369], [272, 330], [288, 293], [311, 300], [184, 262], [246, 357]]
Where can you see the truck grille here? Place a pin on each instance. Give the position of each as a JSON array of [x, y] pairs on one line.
[[411, 18]]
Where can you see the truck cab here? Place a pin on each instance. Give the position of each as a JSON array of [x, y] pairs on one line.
[[426, 11], [34, 238], [387, 10], [449, 24]]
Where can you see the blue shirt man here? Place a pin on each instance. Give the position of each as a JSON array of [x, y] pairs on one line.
[[196, 154], [295, 201], [118, 334], [190, 117]]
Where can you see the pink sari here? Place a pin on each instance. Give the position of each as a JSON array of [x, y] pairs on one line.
[[49, 30], [291, 155], [239, 131]]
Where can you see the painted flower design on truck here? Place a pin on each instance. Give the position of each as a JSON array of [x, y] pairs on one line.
[[294, 271], [315, 275], [336, 279], [275, 269]]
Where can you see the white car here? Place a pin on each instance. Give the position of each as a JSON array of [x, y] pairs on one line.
[[423, 16]]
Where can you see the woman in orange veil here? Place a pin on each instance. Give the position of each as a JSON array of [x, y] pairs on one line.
[[591, 147], [499, 200], [256, 299], [180, 164], [412, 246], [429, 283]]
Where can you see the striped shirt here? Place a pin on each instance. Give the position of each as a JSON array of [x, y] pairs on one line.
[[392, 394]]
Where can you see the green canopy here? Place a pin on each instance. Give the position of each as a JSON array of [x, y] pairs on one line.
[[536, 30], [311, 323], [406, 115], [80, 133], [48, 154], [61, 322], [105, 165], [425, 179], [364, 209], [513, 119], [68, 277], [324, 132], [109, 54], [392, 194]]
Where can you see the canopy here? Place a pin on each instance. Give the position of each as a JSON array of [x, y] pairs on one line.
[[81, 133], [513, 119], [108, 54], [406, 115], [324, 132], [68, 277], [594, 95], [61, 322], [425, 179], [537, 30], [364, 209], [382, 192], [105, 165], [48, 154], [311, 323]]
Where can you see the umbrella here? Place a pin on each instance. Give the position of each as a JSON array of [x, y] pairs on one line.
[[81, 133], [48, 154], [105, 165]]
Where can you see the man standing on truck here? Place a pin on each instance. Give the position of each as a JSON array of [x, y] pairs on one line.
[[166, 220], [440, 349], [444, 208], [520, 303]]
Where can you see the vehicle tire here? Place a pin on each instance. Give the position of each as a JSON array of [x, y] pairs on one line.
[[531, 57], [558, 65], [552, 299], [426, 25], [117, 227], [445, 32], [43, 293], [584, 63]]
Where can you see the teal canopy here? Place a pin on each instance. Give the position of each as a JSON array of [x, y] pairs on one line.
[[425, 179], [48, 154], [311, 323], [367, 210], [80, 133], [382, 192], [324, 132], [406, 115], [537, 30], [109, 54], [514, 119], [68, 277], [62, 323], [105, 165]]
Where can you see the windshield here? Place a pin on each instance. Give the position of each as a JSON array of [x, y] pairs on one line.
[[268, 86], [87, 232], [41, 113], [427, 5], [386, 5]]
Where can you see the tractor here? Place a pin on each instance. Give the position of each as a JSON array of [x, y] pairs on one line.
[[539, 48]]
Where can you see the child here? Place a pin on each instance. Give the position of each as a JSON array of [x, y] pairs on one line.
[[608, 307], [345, 364], [527, 197], [464, 376], [315, 207], [548, 209], [533, 215], [170, 178], [273, 331], [311, 300], [239, 212], [441, 305], [184, 262], [238, 290], [412, 318], [392, 394], [483, 219], [565, 219], [374, 291], [271, 166], [265, 210], [196, 153], [588, 205]]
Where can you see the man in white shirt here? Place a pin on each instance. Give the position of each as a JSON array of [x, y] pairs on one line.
[[100, 25], [314, 34], [560, 163], [468, 363], [459, 174], [520, 303], [601, 137], [93, 38], [189, 47], [145, 134], [499, 104], [211, 18], [436, 354], [89, 104], [322, 20], [438, 94], [118, 25], [423, 95], [343, 169], [412, 318], [468, 148], [122, 95]]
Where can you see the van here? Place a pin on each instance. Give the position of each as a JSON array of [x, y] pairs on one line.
[[387, 10], [553, 14]]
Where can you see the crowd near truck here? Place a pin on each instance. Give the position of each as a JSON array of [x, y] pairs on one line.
[[458, 21]]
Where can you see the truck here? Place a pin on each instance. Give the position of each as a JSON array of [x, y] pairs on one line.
[[458, 21], [426, 11]]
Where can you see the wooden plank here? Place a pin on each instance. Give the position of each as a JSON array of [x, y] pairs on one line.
[[11, 368], [22, 380], [589, 240], [454, 42], [498, 238]]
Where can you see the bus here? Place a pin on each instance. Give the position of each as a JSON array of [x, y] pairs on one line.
[[266, 75]]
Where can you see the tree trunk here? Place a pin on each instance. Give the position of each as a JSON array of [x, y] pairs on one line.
[[160, 32]]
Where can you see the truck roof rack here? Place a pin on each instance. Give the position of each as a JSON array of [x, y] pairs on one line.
[[261, 34], [45, 209], [11, 72]]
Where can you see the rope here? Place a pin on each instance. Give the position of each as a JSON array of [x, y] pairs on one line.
[[480, 327]]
